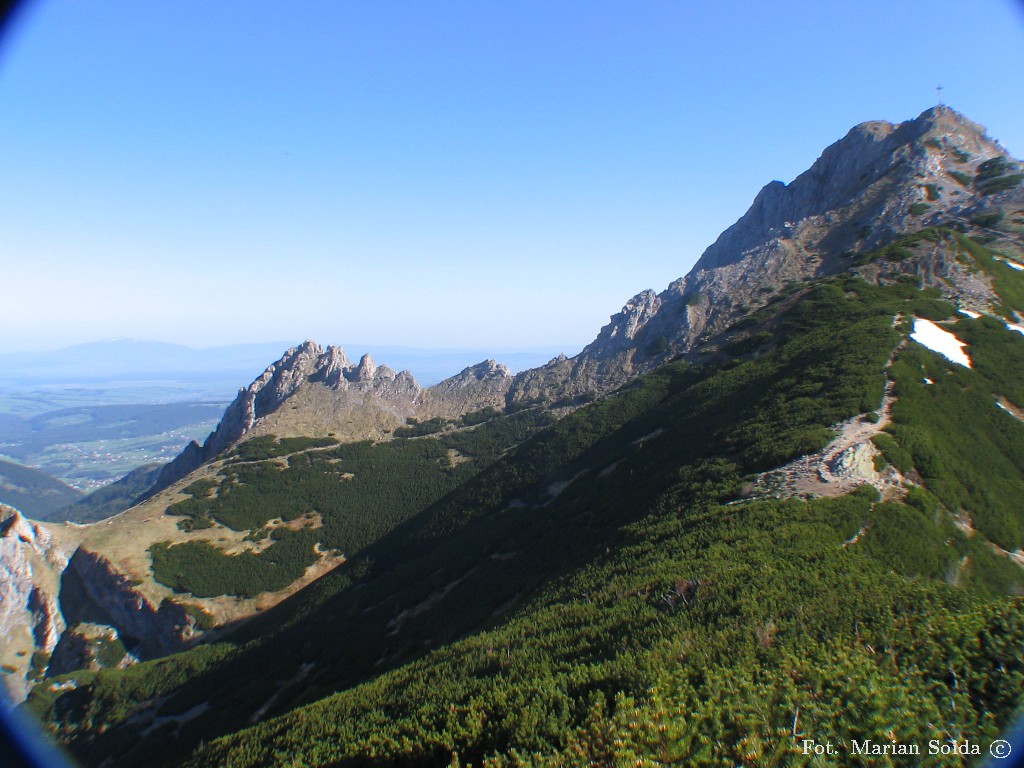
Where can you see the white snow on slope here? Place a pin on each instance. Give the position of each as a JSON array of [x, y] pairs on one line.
[[1014, 327], [945, 343], [970, 313], [1014, 264]]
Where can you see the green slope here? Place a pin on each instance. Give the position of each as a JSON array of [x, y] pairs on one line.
[[34, 492], [590, 597], [113, 498]]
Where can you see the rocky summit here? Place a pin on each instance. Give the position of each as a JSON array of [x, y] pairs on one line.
[[334, 388], [879, 182]]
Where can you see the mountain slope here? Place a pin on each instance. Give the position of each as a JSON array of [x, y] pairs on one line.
[[618, 578], [879, 182], [283, 511], [34, 492], [359, 401], [572, 567], [114, 498]]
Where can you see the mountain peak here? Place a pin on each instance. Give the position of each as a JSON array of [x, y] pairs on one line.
[[872, 166], [947, 120], [365, 370], [879, 182]]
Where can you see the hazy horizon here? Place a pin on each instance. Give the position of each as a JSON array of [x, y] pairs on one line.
[[227, 368], [457, 176]]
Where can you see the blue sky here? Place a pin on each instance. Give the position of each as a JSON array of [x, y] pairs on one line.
[[443, 174]]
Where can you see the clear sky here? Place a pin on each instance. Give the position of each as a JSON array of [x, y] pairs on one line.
[[435, 174]]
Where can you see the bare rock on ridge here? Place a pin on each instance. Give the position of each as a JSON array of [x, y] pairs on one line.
[[331, 395], [479, 386], [878, 182]]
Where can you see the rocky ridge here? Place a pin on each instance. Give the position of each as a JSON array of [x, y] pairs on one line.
[[85, 596], [877, 183], [336, 388]]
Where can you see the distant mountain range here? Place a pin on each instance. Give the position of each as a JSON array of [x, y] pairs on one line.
[[128, 360]]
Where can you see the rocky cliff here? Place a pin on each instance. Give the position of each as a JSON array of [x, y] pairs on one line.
[[30, 617], [59, 613], [93, 591], [352, 401], [877, 183], [479, 386]]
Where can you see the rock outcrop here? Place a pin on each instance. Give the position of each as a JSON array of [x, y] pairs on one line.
[[93, 591], [879, 182], [30, 619], [326, 386], [480, 386]]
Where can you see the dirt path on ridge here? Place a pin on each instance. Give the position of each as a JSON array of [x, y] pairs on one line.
[[842, 465]]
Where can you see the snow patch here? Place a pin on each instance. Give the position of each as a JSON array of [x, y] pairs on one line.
[[1014, 327], [1013, 264], [928, 381], [928, 334], [970, 313]]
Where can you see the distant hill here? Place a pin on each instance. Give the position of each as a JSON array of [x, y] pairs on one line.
[[129, 360], [34, 492], [110, 499], [88, 446]]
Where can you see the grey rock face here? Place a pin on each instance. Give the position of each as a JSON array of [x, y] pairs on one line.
[[47, 621], [93, 591], [624, 327], [479, 386], [358, 386], [878, 182], [870, 178], [30, 618], [24, 547]]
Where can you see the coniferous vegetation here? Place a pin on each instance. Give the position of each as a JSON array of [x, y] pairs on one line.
[[612, 606], [598, 590], [997, 175], [415, 428], [964, 179], [205, 571], [270, 447], [356, 493]]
